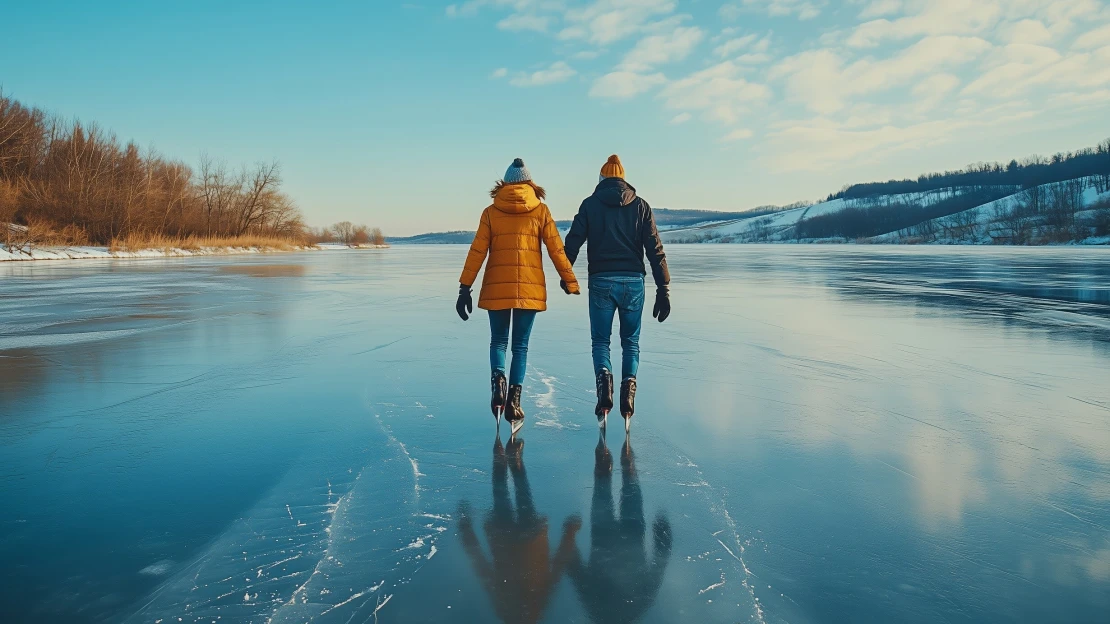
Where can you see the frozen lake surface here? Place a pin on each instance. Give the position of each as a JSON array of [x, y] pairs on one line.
[[824, 434]]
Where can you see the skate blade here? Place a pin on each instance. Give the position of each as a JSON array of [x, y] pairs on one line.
[[627, 424], [602, 420], [516, 425]]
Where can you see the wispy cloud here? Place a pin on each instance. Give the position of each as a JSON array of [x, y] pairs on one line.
[[720, 91], [658, 50], [604, 22], [900, 74], [524, 21], [802, 9], [740, 134], [558, 72], [622, 85]]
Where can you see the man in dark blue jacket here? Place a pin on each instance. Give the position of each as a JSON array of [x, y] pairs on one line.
[[619, 230]]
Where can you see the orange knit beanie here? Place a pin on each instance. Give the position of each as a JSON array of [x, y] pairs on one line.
[[613, 168]]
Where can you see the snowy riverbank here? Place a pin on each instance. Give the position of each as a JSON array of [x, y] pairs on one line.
[[103, 253]]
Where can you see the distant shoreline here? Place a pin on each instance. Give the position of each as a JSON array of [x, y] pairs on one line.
[[42, 254]]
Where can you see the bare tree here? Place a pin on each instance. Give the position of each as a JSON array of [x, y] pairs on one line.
[[344, 232]]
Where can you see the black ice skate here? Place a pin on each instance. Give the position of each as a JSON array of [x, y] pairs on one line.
[[628, 401], [604, 396], [499, 392], [514, 413]]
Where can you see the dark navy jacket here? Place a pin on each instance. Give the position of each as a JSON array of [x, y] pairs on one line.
[[620, 230]]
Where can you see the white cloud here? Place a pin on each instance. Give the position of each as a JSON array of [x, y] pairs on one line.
[[817, 144], [606, 21], [622, 85], [523, 21], [738, 135], [880, 8], [719, 90], [755, 58], [1095, 38], [820, 80], [1028, 31], [557, 72], [904, 74], [1020, 69], [933, 18], [660, 49], [733, 46], [587, 55], [803, 9], [931, 91]]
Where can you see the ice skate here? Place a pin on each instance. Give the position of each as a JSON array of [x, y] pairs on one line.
[[604, 396], [514, 413], [628, 402], [499, 390]]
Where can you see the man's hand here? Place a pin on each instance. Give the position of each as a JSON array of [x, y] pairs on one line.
[[465, 304], [570, 289], [662, 303]]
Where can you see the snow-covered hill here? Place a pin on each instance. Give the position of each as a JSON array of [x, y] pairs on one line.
[[1016, 217]]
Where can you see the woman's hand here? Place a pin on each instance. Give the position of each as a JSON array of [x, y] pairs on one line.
[[570, 289], [465, 305]]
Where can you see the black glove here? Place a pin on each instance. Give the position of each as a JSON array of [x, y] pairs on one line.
[[662, 303], [465, 304], [563, 285]]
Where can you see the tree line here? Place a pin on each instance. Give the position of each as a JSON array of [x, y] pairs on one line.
[[81, 185], [346, 233], [1029, 172]]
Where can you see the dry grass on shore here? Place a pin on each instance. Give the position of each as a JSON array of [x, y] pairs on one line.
[[141, 241]]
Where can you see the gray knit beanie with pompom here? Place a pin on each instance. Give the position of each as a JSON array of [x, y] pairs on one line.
[[517, 173]]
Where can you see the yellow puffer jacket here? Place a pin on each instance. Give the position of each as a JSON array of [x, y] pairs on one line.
[[511, 231]]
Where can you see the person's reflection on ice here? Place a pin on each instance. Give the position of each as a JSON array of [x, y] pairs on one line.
[[521, 575], [619, 583]]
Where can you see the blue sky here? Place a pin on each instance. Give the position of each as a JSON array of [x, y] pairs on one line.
[[403, 114]]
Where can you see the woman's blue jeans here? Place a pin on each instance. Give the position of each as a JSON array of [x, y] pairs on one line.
[[618, 295], [499, 325]]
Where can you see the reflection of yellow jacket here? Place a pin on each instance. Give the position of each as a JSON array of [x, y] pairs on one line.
[[521, 575], [511, 231]]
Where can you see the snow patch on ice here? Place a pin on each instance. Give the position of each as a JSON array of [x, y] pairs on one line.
[[713, 586], [159, 568]]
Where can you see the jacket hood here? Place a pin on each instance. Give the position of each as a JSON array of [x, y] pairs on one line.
[[615, 192], [516, 198]]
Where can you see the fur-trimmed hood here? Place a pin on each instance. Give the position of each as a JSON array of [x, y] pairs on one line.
[[517, 198]]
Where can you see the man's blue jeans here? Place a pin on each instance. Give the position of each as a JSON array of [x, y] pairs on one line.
[[621, 295], [499, 321]]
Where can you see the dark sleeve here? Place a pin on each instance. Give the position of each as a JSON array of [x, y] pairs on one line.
[[576, 237], [653, 248]]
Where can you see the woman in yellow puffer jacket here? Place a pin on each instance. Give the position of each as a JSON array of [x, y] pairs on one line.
[[513, 289]]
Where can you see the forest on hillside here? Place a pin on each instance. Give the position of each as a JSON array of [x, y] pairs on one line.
[[67, 182], [1026, 173]]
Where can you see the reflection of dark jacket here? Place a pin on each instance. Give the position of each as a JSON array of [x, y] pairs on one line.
[[620, 228], [620, 581]]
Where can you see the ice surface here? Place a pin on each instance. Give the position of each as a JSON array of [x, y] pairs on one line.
[[823, 434]]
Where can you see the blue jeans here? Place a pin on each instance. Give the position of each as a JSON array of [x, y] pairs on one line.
[[499, 321], [622, 295]]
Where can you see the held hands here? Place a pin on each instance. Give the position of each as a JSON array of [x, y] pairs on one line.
[[570, 289], [662, 303], [465, 305]]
